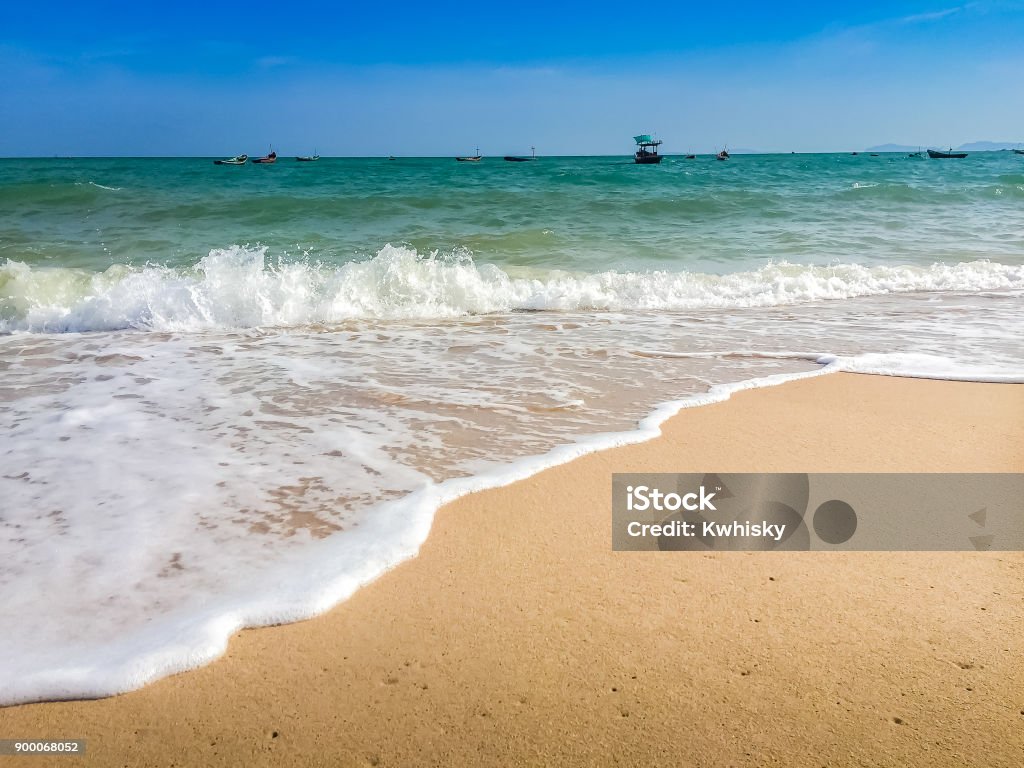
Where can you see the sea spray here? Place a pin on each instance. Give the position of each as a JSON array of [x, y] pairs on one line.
[[240, 287]]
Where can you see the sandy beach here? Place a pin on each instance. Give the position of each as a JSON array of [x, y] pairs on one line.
[[517, 637]]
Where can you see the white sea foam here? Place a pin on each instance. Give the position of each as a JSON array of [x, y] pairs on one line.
[[163, 490], [100, 186], [239, 287], [924, 366]]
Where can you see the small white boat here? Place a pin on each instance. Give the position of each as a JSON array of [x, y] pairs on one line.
[[237, 160]]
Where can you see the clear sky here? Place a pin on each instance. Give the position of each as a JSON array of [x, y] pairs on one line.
[[441, 78]]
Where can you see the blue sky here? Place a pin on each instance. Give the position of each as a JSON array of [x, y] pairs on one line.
[[443, 78]]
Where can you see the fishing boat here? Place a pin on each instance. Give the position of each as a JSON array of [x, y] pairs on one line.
[[934, 154], [691, 157], [472, 158], [646, 149], [723, 155], [308, 158], [517, 159], [270, 158], [236, 160]]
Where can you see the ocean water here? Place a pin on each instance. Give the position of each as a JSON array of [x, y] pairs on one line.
[[230, 396]]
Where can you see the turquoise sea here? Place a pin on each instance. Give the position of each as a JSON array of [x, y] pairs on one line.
[[573, 213], [232, 395]]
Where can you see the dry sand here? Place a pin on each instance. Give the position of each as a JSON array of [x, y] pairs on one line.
[[518, 637]]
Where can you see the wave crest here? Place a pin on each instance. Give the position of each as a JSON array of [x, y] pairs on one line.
[[239, 287]]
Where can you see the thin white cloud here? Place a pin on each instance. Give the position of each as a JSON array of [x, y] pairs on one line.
[[919, 18]]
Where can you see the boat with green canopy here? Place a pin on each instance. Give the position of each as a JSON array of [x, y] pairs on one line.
[[646, 149]]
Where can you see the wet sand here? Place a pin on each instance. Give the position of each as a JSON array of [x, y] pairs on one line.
[[518, 636]]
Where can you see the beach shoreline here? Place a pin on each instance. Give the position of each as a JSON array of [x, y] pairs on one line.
[[518, 637]]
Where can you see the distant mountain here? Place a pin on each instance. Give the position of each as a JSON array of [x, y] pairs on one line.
[[974, 146], [990, 146]]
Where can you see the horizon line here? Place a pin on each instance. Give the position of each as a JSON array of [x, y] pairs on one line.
[[903, 148]]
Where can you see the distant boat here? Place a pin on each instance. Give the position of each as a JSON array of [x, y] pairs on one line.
[[1018, 151], [874, 154], [237, 160], [646, 150], [723, 155], [391, 157], [855, 153], [936, 155], [515, 159], [472, 159], [308, 158], [271, 158], [691, 157]]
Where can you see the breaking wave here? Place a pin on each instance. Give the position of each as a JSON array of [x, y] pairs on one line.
[[239, 287]]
